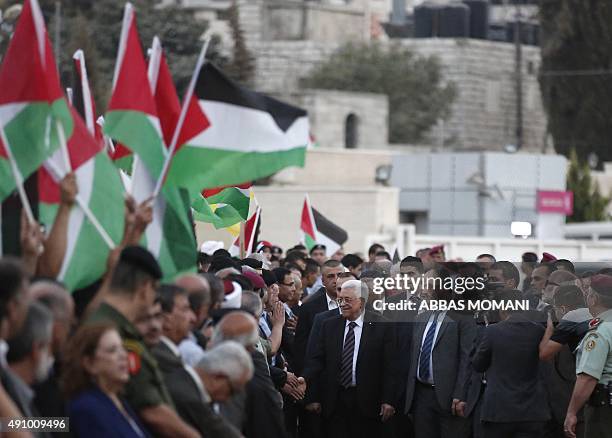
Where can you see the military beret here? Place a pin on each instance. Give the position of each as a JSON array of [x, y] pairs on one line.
[[602, 284], [436, 249], [547, 257], [221, 262], [142, 259], [263, 244], [253, 263], [256, 280], [268, 277], [318, 246]]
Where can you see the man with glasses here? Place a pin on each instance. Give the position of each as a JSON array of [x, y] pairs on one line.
[[352, 374]]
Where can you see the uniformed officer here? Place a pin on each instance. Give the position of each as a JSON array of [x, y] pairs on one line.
[[593, 388], [130, 294]]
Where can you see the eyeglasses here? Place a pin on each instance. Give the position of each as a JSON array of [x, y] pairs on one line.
[[289, 284], [341, 300]]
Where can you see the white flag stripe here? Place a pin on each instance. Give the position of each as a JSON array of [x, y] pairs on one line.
[[241, 129]]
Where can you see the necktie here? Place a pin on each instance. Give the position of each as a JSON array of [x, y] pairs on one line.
[[426, 348], [346, 366]]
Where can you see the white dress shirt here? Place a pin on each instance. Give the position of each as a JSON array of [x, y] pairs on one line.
[[190, 351], [331, 303], [438, 323], [357, 331]]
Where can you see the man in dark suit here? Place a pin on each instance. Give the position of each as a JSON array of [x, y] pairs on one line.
[[184, 384], [260, 404], [322, 300], [438, 370], [353, 370], [514, 400]]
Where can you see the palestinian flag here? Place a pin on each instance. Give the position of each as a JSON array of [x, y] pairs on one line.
[[251, 230], [132, 118], [30, 96], [100, 189], [250, 136], [318, 230], [224, 206], [170, 236]]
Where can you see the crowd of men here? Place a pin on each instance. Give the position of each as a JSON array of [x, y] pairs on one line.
[[290, 344]]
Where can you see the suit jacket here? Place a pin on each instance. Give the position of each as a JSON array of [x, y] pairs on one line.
[[376, 369], [315, 304], [263, 404], [404, 322], [474, 379], [311, 347], [93, 414], [188, 399], [450, 357], [509, 354]]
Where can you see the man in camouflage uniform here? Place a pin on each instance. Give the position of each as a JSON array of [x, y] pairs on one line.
[[593, 388], [130, 294]]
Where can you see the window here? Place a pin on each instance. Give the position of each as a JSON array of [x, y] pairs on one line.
[[351, 128]]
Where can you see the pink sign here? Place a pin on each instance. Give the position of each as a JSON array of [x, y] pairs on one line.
[[555, 202]]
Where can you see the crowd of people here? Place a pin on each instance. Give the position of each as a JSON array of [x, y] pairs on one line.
[[288, 343]]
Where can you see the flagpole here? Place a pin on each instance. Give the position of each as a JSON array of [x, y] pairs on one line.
[[25, 202], [241, 239], [88, 213], [181, 120]]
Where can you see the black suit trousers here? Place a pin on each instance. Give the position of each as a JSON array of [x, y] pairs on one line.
[[519, 429], [431, 421], [346, 421]]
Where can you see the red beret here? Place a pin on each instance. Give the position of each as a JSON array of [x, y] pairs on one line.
[[602, 284], [547, 257], [256, 280], [436, 249]]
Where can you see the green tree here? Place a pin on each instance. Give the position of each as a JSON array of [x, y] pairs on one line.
[[418, 97], [589, 203], [574, 78], [95, 26], [242, 66]]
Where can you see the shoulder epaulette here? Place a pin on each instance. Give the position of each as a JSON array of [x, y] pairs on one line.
[[594, 323], [132, 345]]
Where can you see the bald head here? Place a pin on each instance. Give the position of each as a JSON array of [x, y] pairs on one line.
[[555, 280], [559, 277], [198, 290], [237, 326], [193, 283]]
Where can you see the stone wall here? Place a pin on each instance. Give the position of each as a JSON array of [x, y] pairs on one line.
[[484, 112], [328, 112]]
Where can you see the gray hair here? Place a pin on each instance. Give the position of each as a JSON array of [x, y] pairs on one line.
[[54, 296], [360, 288], [251, 303], [36, 330], [228, 358]]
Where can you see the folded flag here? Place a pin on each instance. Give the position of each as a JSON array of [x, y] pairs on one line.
[[250, 136], [223, 207], [318, 230]]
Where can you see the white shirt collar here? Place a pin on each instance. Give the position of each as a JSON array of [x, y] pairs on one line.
[[331, 303], [358, 321], [171, 345]]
